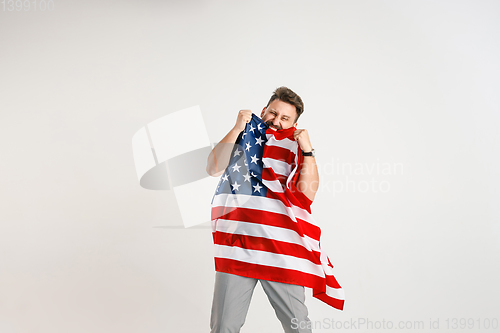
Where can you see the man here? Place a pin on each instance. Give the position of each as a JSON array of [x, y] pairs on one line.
[[267, 237]]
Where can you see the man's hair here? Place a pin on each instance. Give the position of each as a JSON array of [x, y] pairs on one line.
[[288, 96]]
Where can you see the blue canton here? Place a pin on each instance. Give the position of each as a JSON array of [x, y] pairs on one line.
[[244, 172]]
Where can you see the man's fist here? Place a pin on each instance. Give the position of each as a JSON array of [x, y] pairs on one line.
[[244, 117], [302, 137]]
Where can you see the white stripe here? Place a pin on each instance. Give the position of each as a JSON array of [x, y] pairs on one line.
[[302, 214], [279, 167], [327, 269], [252, 202], [273, 185], [268, 259], [335, 293], [266, 231], [292, 173]]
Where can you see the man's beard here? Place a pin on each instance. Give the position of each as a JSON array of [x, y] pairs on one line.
[[270, 124]]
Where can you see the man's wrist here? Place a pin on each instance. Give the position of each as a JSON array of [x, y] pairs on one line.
[[311, 152], [232, 135], [236, 130]]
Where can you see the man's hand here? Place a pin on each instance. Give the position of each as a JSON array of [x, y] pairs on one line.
[[219, 157], [302, 137], [244, 117]]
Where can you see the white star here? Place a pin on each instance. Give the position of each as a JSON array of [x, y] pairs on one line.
[[258, 127], [254, 159], [253, 175], [244, 134], [236, 186], [257, 188], [251, 128], [237, 152], [259, 141], [248, 146], [247, 177], [224, 178], [236, 167]]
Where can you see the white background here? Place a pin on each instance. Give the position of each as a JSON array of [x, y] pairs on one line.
[[413, 84]]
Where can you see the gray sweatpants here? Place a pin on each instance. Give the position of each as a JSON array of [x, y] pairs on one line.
[[232, 295]]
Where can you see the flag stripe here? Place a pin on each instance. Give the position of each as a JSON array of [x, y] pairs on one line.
[[335, 292], [278, 152], [279, 167], [285, 143], [273, 185], [268, 259]]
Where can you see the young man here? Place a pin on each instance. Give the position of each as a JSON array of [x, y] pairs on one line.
[[266, 234]]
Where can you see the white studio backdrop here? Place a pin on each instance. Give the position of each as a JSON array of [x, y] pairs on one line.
[[401, 103]]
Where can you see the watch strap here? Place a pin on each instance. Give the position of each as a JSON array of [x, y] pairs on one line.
[[309, 153]]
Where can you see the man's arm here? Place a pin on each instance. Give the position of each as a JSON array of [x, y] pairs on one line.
[[308, 182], [219, 156]]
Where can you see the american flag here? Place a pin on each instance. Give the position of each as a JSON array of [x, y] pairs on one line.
[[262, 224]]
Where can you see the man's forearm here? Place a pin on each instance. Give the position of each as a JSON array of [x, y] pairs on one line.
[[308, 182], [219, 156]]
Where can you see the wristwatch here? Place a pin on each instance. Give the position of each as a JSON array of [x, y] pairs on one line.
[[309, 153]]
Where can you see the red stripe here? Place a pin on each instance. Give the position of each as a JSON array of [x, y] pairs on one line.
[[219, 211], [268, 174], [336, 303], [267, 245], [278, 196], [282, 179], [279, 153], [282, 134], [279, 275]]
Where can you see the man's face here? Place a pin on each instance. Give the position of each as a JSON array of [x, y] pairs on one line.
[[279, 115]]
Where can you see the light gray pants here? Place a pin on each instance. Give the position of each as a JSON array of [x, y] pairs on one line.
[[232, 295]]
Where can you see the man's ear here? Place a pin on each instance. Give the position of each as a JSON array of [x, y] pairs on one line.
[[263, 110], [295, 125]]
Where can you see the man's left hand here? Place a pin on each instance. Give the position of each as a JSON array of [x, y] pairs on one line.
[[302, 137]]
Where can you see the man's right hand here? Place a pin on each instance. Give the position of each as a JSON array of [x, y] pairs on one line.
[[244, 117], [219, 157]]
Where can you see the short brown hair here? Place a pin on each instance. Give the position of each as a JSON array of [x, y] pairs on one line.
[[288, 96]]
